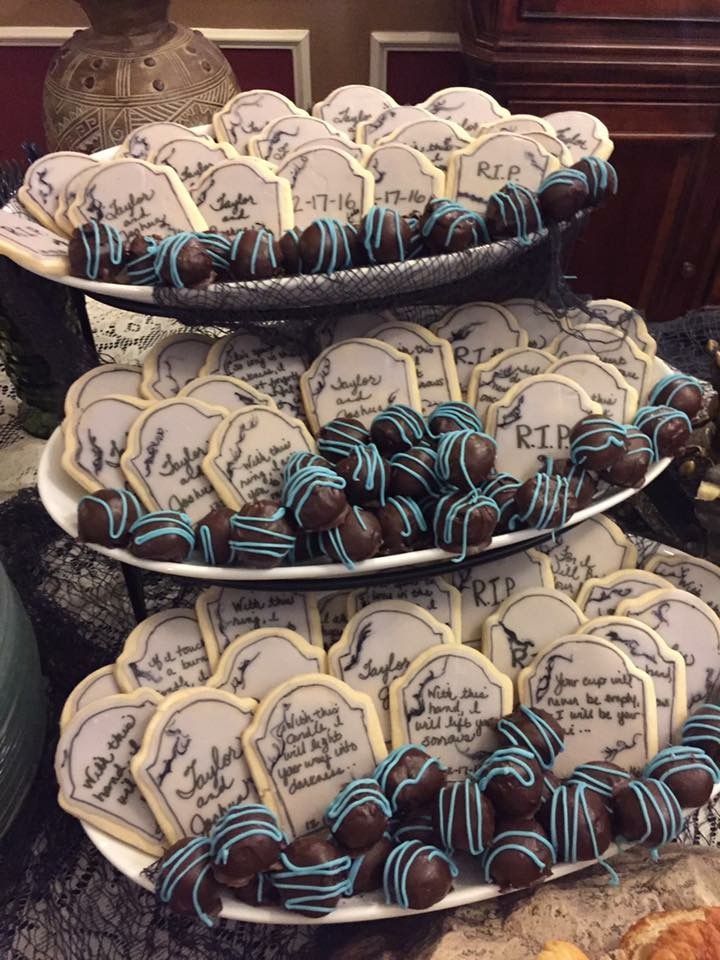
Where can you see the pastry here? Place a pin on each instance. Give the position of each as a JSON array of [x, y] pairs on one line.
[[326, 246], [463, 818], [579, 824], [183, 261], [106, 516], [261, 535], [668, 429], [601, 176], [464, 523], [403, 524], [338, 438], [519, 856], [358, 537], [366, 474], [385, 236], [680, 391], [702, 730], [313, 875], [412, 473], [544, 501], [688, 771], [563, 194], [410, 778], [212, 535], [166, 535], [596, 443], [536, 731], [646, 811], [315, 497], [416, 875], [359, 815], [451, 416], [97, 251], [246, 840], [512, 781], [184, 880], [464, 459], [255, 255], [366, 872], [397, 428], [630, 468], [502, 488], [513, 213]]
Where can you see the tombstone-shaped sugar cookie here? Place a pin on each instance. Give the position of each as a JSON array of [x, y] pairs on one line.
[[611, 346], [191, 767], [248, 113], [358, 151], [524, 624], [469, 107], [285, 135], [665, 667], [262, 659], [145, 141], [484, 166], [358, 378], [172, 363], [248, 452], [534, 420], [74, 187], [448, 701], [622, 317], [600, 596], [434, 137], [582, 133], [310, 737], [137, 197], [244, 194], [477, 332], [111, 378], [594, 548], [377, 646], [352, 104], [697, 576], [164, 456], [405, 180], [32, 246], [230, 393], [434, 594], [270, 368], [191, 159], [434, 364], [490, 381], [687, 624], [96, 686], [552, 145], [165, 652], [603, 381], [95, 439], [600, 699], [332, 608], [326, 182], [484, 587], [92, 766], [225, 613], [521, 123], [541, 324], [383, 123], [45, 180]]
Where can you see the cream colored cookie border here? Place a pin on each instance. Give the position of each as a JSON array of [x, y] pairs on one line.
[[321, 105], [29, 203], [224, 669], [355, 168], [150, 363], [612, 580], [53, 263], [76, 186], [362, 127], [473, 92], [501, 125], [70, 707], [223, 149], [628, 559], [132, 648], [324, 130], [454, 598], [684, 559], [428, 169], [601, 328], [452, 129], [183, 133], [631, 401], [76, 388], [489, 366], [518, 388], [639, 332], [261, 399], [218, 121], [605, 148], [265, 173]]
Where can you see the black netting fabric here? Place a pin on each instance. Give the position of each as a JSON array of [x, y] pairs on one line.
[[682, 341]]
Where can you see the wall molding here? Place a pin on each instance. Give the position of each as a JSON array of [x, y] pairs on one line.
[[383, 42]]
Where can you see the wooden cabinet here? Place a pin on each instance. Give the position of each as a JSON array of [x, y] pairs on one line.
[[654, 79]]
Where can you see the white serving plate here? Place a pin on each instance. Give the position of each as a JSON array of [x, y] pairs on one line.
[[60, 495]]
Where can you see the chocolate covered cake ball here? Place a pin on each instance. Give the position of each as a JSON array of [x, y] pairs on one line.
[[579, 823], [255, 255], [396, 429], [358, 537], [166, 535], [141, 261], [535, 730], [182, 261], [465, 459], [512, 781], [597, 442], [668, 429], [257, 892], [410, 778], [212, 535], [416, 243], [359, 815], [325, 246], [519, 856], [314, 875], [550, 784], [246, 840], [417, 875], [218, 247], [601, 176], [452, 228], [315, 497], [412, 473], [502, 489], [563, 194], [385, 236], [646, 811], [302, 458], [366, 872], [688, 771], [415, 825], [97, 251], [289, 244], [339, 438], [602, 777], [464, 523], [106, 516], [184, 880], [513, 213], [702, 730], [463, 818], [451, 416], [261, 535], [679, 391], [366, 475], [630, 469], [404, 527], [358, 256], [581, 482], [544, 502]]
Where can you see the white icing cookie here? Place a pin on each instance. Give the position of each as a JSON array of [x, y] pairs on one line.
[[191, 767], [358, 151], [649, 652], [230, 393], [352, 104], [525, 623], [377, 646], [327, 182], [697, 576], [477, 332], [448, 701], [45, 180], [592, 549], [145, 141], [520, 123], [599, 596], [95, 439], [225, 613], [484, 587], [436, 138], [119, 379], [173, 362], [582, 133], [534, 419], [244, 194], [603, 381], [191, 159], [611, 346], [164, 652], [30, 245], [92, 766], [404, 179], [537, 318], [383, 123], [490, 381], [621, 316], [96, 686], [74, 187], [285, 135], [248, 451], [164, 456], [354, 325], [434, 594], [688, 625], [136, 197], [358, 378], [467, 106], [488, 163], [260, 660], [272, 369], [552, 145], [248, 113], [332, 607]]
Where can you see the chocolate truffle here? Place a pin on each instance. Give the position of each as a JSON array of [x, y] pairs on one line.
[[602, 777], [451, 416], [519, 855], [581, 482], [417, 875], [366, 872], [702, 730], [550, 784], [325, 247], [289, 244], [404, 527], [512, 780], [218, 248], [396, 429], [513, 213], [630, 469], [535, 730], [212, 535], [185, 882], [315, 496], [415, 825], [366, 475], [358, 257], [261, 535], [679, 391], [410, 778], [465, 458], [106, 516], [296, 461], [182, 261], [308, 548], [580, 827], [687, 771], [339, 438], [416, 244], [601, 177], [166, 535], [246, 840], [97, 251], [668, 429], [141, 261], [257, 892], [359, 537], [464, 523], [543, 501], [464, 819], [451, 228], [646, 811], [502, 489], [596, 443], [563, 194], [385, 236], [359, 815], [314, 875], [255, 255], [412, 473]]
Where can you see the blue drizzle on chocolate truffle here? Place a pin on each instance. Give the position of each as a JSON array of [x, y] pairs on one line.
[[188, 864]]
